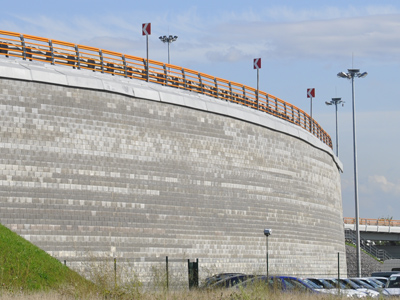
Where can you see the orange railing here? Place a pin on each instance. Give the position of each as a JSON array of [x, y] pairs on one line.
[[56, 52], [375, 222]]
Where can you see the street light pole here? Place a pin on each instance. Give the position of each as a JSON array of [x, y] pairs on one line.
[[169, 40], [336, 101], [267, 233], [350, 75]]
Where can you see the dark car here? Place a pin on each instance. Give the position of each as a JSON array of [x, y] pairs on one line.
[[217, 277], [230, 281], [283, 283]]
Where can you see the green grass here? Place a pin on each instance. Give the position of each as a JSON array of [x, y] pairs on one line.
[[24, 266], [27, 272]]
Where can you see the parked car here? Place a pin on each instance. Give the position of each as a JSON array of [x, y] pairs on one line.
[[380, 280], [372, 283], [319, 286], [333, 287], [230, 281], [363, 283], [384, 273], [392, 287], [346, 290], [217, 277], [283, 283], [370, 292]]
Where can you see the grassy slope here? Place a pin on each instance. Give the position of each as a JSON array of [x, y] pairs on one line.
[[23, 266]]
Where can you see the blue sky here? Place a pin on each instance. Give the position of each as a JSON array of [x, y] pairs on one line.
[[302, 44]]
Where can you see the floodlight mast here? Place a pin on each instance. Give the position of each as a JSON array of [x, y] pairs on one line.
[[350, 75], [169, 40], [336, 101]]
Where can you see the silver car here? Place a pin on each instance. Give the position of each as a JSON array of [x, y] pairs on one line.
[[392, 287]]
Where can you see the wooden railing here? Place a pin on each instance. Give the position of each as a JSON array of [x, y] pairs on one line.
[[56, 52], [375, 222]]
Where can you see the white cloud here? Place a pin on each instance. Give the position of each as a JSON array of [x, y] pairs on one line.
[[294, 14], [384, 185], [230, 34], [372, 36]]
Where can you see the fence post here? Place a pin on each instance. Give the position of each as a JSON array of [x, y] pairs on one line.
[[166, 266], [338, 266], [115, 272], [193, 273]]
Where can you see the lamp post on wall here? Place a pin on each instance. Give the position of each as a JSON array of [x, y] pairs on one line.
[[336, 101], [350, 75], [267, 233], [169, 40]]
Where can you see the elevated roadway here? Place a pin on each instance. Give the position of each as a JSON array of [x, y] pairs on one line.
[[375, 229]]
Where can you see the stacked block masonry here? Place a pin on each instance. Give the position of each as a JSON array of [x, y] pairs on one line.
[[96, 166]]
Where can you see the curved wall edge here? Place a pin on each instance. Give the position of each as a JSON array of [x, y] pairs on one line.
[[40, 72]]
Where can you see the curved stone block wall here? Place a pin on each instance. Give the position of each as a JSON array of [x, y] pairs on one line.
[[97, 166]]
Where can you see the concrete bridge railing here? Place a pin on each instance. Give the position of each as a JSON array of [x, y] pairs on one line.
[[373, 222], [35, 48]]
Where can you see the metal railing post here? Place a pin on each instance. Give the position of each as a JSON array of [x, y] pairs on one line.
[[78, 60], [51, 51], [216, 87], [165, 74], [101, 61], [244, 94], [201, 84], [184, 78], [23, 47], [230, 91], [124, 63]]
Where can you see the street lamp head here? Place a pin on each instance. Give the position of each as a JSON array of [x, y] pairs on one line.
[[334, 101], [267, 232], [362, 75], [168, 39], [343, 75]]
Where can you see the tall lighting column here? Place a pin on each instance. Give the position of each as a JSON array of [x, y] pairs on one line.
[[350, 75], [169, 40], [336, 101]]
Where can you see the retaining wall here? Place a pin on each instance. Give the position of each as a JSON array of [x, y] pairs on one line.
[[97, 166]]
